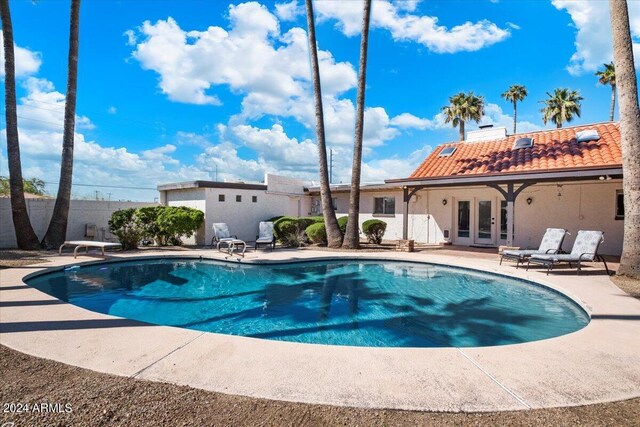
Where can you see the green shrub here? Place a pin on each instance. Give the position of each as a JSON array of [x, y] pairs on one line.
[[175, 222], [283, 227], [374, 230], [124, 226], [317, 233], [275, 218], [342, 223], [290, 231], [147, 221]]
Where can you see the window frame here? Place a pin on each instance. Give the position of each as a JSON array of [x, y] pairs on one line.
[[619, 195], [254, 199], [221, 198], [385, 211], [239, 198]]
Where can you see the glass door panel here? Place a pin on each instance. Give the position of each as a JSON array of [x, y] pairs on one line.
[[485, 223]]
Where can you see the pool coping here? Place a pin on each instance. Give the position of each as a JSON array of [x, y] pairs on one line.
[[598, 363]]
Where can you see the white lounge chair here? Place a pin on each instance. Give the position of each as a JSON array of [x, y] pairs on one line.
[[551, 244], [585, 248], [265, 235], [87, 244], [221, 233], [231, 243]]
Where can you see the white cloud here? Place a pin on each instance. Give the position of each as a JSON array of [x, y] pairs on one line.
[[594, 45], [403, 25], [27, 62], [289, 11], [131, 37], [112, 110], [494, 115], [409, 121], [41, 145]]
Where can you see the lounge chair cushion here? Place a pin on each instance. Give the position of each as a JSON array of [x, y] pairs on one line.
[[552, 240], [584, 248], [265, 232], [520, 253]]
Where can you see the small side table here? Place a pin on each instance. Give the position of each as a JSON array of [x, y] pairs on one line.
[[233, 246]]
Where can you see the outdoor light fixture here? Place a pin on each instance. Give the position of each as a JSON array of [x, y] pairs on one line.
[[444, 202], [529, 200]]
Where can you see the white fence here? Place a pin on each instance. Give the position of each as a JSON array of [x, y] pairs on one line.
[[81, 213]]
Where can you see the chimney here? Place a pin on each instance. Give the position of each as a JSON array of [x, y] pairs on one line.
[[486, 132]]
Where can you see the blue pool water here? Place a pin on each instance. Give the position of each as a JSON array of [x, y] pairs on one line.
[[340, 302]]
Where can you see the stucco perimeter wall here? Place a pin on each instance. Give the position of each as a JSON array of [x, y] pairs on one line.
[[574, 206], [81, 213]]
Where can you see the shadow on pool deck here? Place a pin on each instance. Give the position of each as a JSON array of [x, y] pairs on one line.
[[59, 325]]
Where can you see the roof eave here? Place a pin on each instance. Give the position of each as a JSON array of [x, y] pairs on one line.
[[575, 174]]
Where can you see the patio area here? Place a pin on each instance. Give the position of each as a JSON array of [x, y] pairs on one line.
[[600, 363]]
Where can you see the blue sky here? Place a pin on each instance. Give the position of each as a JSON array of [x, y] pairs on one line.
[[174, 91]]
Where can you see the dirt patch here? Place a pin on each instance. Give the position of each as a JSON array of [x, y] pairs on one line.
[[628, 284], [10, 258], [89, 398]]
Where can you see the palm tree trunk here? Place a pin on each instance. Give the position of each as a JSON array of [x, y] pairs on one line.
[[352, 235], [461, 130], [613, 102], [626, 79], [561, 119], [334, 235], [25, 236], [57, 231], [515, 116]]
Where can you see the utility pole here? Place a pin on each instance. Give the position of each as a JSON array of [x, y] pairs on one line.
[[330, 165]]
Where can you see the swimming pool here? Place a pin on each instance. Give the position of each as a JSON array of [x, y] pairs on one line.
[[339, 302]]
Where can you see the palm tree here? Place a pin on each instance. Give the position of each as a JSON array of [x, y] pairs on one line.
[[514, 94], [57, 230], [25, 236], [352, 234], [608, 77], [334, 235], [561, 107], [463, 108], [630, 135]]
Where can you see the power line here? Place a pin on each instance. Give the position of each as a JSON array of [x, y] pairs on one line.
[[105, 186]]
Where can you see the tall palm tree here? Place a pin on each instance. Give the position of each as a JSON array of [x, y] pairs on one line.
[[57, 230], [561, 106], [630, 135], [352, 234], [462, 108], [25, 236], [514, 94], [334, 235], [608, 77]]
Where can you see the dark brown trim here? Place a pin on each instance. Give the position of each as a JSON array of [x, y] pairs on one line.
[[211, 184], [562, 175]]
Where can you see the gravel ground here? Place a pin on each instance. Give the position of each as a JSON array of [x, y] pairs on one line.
[[95, 399]]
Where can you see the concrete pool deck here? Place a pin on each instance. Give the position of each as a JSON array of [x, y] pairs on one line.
[[599, 363]]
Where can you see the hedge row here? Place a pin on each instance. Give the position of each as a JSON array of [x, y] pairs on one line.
[[166, 225], [292, 231]]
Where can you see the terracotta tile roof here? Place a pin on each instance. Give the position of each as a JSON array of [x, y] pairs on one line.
[[552, 150]]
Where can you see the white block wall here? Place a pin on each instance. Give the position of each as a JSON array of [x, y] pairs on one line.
[[81, 213]]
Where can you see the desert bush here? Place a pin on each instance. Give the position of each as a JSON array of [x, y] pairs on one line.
[[124, 226], [290, 231], [374, 230], [175, 222], [317, 233], [342, 223], [275, 218]]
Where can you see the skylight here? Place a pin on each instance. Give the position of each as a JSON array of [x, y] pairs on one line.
[[447, 151], [523, 143], [587, 135]]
